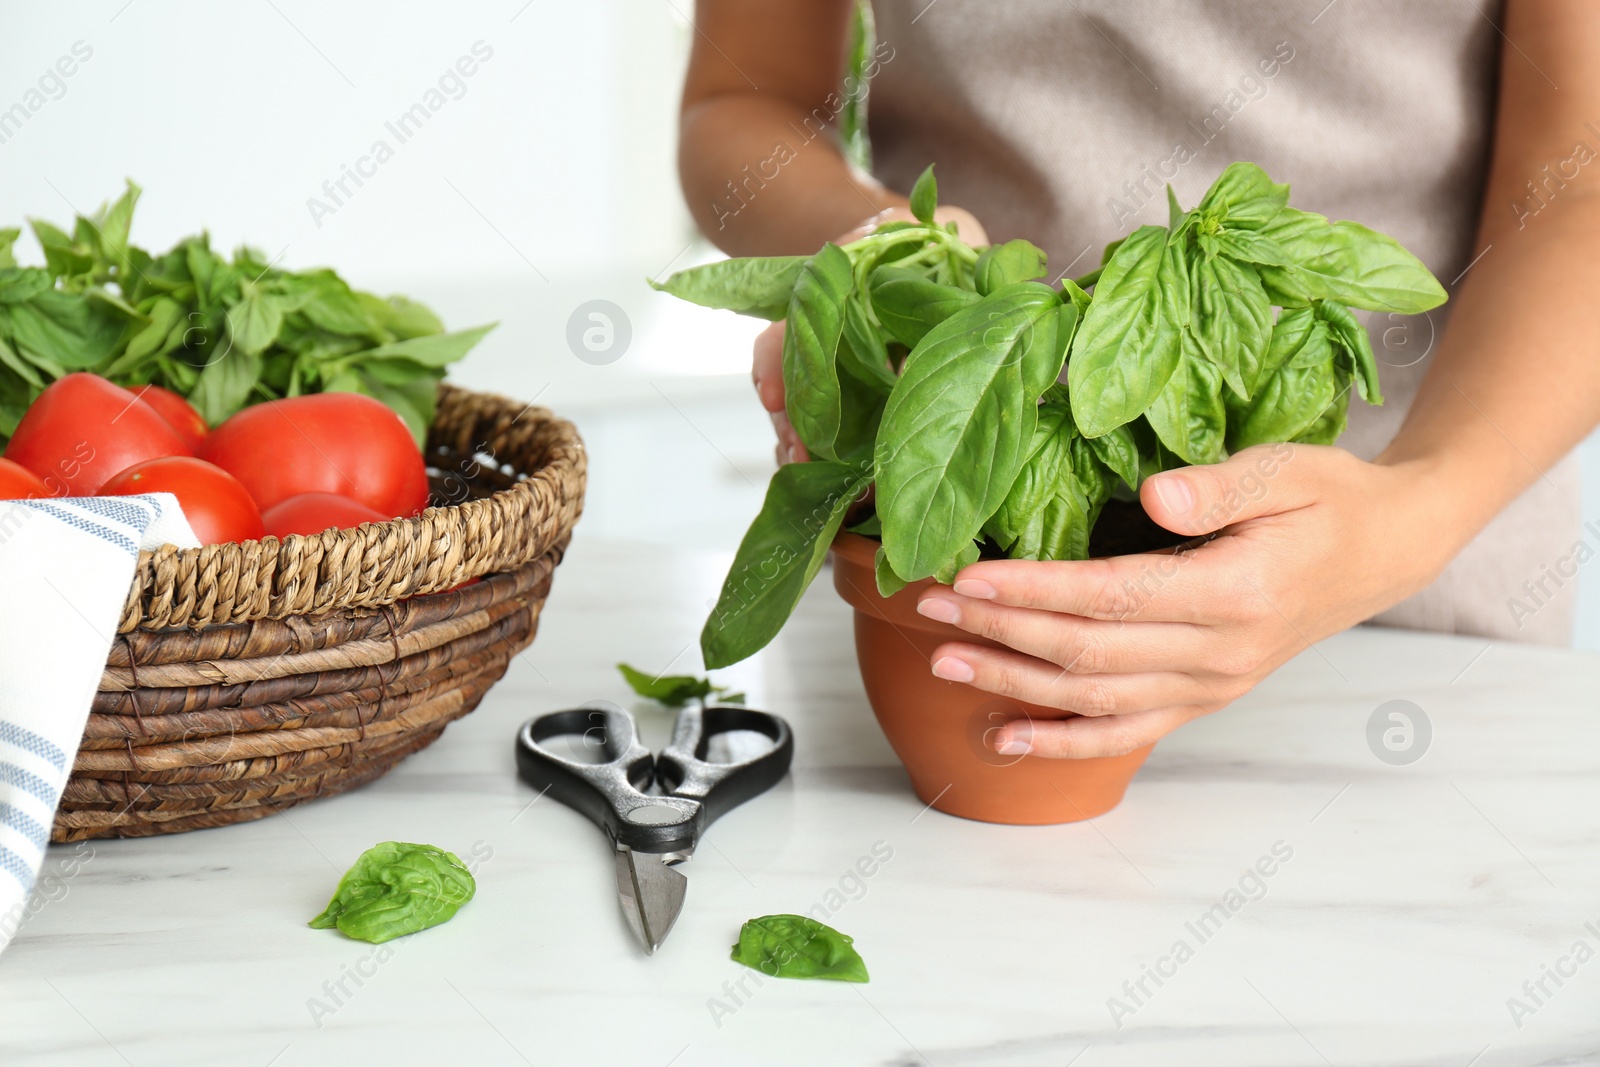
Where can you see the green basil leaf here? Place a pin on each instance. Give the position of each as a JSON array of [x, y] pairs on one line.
[[812, 393], [65, 329], [1118, 452], [1001, 265], [755, 286], [1037, 479], [157, 337], [12, 361], [864, 354], [1331, 423], [63, 256], [1297, 386], [779, 556], [1061, 528], [1176, 221], [1127, 347], [1352, 337], [673, 690], [1303, 257], [1072, 293], [889, 583], [1092, 474], [946, 573], [400, 316], [1188, 414], [908, 303], [925, 197], [795, 946], [1232, 318], [957, 425], [868, 527], [333, 307], [8, 238], [20, 284], [112, 225], [396, 888], [439, 350], [225, 384], [254, 322], [1244, 198]]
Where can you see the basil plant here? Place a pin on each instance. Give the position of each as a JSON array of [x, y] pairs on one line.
[[995, 413]]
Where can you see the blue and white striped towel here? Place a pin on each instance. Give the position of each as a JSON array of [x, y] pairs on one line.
[[65, 566]]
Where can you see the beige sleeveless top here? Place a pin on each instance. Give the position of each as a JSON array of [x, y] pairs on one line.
[[1062, 120]]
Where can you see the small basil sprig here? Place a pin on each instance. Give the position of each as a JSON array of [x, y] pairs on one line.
[[396, 888], [795, 946], [927, 369], [676, 690]]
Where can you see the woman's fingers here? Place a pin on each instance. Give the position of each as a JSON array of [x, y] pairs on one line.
[[1011, 674], [766, 367], [1078, 644], [1208, 584], [1087, 738]]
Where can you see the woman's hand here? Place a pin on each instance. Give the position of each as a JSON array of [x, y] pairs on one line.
[[766, 368], [1312, 540]]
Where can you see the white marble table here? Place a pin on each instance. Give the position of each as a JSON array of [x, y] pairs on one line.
[[1416, 901]]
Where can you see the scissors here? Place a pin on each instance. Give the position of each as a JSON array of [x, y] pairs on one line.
[[653, 832]]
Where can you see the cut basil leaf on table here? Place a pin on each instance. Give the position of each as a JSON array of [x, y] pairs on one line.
[[396, 888], [796, 946]]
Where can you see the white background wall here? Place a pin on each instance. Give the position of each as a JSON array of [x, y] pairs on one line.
[[549, 182]]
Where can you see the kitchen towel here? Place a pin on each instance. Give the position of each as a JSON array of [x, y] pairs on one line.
[[65, 567]]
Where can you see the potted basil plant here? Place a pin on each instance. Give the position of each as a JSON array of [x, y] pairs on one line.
[[998, 415]]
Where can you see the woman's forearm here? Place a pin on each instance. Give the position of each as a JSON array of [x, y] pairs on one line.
[[757, 159], [1515, 381], [762, 176]]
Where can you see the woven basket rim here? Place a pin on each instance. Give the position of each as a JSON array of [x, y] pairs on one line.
[[379, 563]]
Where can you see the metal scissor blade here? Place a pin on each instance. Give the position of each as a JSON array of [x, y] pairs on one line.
[[651, 891]]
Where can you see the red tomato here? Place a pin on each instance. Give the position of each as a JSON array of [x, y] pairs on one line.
[[312, 513], [218, 508], [83, 429], [342, 443], [19, 483], [178, 412]]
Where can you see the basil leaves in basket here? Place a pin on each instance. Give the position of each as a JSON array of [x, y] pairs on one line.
[[931, 370], [222, 332], [396, 889], [794, 946]]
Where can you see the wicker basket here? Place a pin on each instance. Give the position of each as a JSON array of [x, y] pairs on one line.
[[249, 677]]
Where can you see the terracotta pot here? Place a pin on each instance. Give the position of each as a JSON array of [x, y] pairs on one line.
[[941, 730]]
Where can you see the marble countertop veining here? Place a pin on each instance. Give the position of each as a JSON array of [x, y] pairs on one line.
[[1408, 912]]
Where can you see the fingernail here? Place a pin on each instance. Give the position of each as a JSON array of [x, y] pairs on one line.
[[1175, 495], [1017, 741], [797, 454], [953, 670], [939, 610], [975, 588]]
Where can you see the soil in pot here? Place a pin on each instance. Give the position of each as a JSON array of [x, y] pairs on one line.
[[942, 730]]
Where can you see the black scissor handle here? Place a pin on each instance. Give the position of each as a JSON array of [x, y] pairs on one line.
[[610, 793], [682, 769]]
